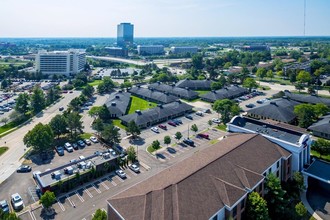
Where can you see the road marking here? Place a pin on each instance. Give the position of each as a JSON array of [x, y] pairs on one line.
[[104, 185], [132, 172], [32, 215], [88, 193], [97, 190], [127, 176], [168, 153], [71, 202], [111, 181], [61, 206], [120, 179], [81, 198], [84, 219]]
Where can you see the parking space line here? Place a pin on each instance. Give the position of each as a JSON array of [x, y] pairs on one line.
[[32, 215], [97, 190], [81, 198], [88, 193], [132, 172], [111, 181], [84, 219], [71, 202], [120, 179], [60, 204], [104, 185]]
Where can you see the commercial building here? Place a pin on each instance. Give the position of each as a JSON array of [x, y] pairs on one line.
[[118, 103], [296, 67], [213, 183], [158, 114], [146, 50], [117, 51], [61, 62], [253, 48], [184, 50], [297, 143], [184, 93], [311, 99], [321, 128], [125, 34], [229, 92], [152, 95], [204, 84]]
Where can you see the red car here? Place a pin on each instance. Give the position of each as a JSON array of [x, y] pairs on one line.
[[202, 135], [171, 123], [162, 126]]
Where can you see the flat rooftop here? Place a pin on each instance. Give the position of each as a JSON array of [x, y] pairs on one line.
[[319, 169], [268, 129]]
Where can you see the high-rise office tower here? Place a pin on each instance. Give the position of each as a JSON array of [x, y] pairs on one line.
[[125, 34]]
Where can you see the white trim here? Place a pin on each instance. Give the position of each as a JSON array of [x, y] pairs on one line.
[[115, 211]]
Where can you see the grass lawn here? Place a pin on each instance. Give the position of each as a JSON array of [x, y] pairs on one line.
[[150, 149], [214, 141], [85, 135], [95, 82], [3, 150], [140, 104], [317, 155], [117, 122], [222, 127], [202, 92], [7, 127]]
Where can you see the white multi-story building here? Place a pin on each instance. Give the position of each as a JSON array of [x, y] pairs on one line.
[[61, 62], [150, 49], [183, 50]]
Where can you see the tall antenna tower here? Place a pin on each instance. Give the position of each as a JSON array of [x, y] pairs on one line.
[[304, 17]]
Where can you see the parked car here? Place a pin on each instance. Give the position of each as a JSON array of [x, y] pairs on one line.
[[81, 143], [68, 147], [207, 110], [188, 142], [75, 146], [24, 169], [189, 117], [199, 113], [216, 120], [112, 152], [17, 202], [60, 150], [88, 142], [172, 123], [162, 126], [203, 135], [93, 139], [177, 121], [155, 129], [135, 168], [4, 206], [250, 105], [61, 109], [121, 173]]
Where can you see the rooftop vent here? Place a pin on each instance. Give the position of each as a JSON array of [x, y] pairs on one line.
[[113, 103], [285, 97], [138, 86], [178, 101], [138, 112], [273, 103], [158, 82], [120, 91], [187, 88], [117, 96]]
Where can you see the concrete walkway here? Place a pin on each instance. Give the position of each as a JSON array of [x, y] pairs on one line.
[[304, 200]]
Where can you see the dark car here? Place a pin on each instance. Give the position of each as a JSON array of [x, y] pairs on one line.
[[188, 142], [250, 105], [4, 206], [203, 135], [172, 123], [189, 117], [177, 121], [24, 169], [162, 126], [61, 109]]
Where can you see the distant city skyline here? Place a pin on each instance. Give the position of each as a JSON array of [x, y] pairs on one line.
[[164, 18]]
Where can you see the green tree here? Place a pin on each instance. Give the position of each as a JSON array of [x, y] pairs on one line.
[[304, 77], [4, 120], [305, 114], [155, 145], [131, 154], [167, 140], [254, 70], [197, 61], [111, 134], [41, 138], [22, 103], [104, 113], [58, 125], [4, 84], [194, 128], [299, 180], [261, 73], [321, 146], [38, 100], [320, 109], [275, 196], [100, 215], [47, 199], [75, 104], [88, 91], [74, 123], [98, 125], [209, 122], [256, 207], [279, 73], [106, 86], [301, 209], [227, 108], [178, 135], [216, 85], [250, 83], [227, 65], [133, 129], [299, 86], [270, 74], [95, 111]]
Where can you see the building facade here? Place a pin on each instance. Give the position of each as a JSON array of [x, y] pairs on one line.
[[183, 50], [117, 51], [61, 62], [150, 49], [125, 34]]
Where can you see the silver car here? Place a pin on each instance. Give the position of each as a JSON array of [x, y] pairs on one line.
[[17, 202]]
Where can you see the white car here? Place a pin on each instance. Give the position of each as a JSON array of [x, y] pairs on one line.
[[17, 202], [216, 120], [155, 129], [87, 142], [94, 139], [68, 147], [121, 173], [135, 168], [112, 152]]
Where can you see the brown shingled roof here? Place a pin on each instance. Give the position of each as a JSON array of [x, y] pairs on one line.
[[199, 186]]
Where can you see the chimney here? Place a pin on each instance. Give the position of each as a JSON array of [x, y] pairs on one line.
[[120, 91], [214, 91], [117, 96], [187, 88], [178, 101]]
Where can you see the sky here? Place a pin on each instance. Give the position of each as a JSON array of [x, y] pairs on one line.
[[163, 18]]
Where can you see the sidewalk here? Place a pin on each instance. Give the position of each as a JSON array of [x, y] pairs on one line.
[[308, 207]]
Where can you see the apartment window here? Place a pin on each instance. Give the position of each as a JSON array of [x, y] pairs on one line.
[[270, 170], [278, 164], [234, 211], [278, 173], [242, 204]]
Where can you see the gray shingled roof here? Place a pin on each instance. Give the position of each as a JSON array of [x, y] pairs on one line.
[[157, 114], [174, 90], [194, 84], [277, 109], [118, 103], [322, 126], [312, 99], [229, 92], [153, 95], [199, 186]]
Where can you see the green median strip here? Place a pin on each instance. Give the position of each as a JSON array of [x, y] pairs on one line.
[[3, 150]]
